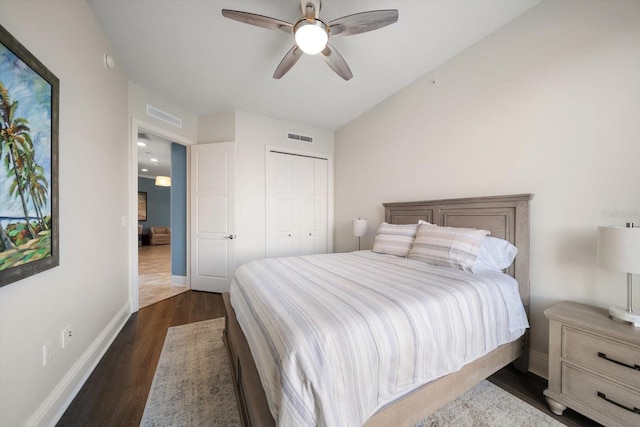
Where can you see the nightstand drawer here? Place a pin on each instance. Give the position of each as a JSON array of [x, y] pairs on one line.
[[593, 391], [607, 356]]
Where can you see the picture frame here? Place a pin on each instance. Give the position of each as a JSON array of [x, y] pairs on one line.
[[29, 126], [142, 205]]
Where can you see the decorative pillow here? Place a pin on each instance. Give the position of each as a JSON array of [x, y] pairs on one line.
[[495, 254], [394, 239], [447, 246]]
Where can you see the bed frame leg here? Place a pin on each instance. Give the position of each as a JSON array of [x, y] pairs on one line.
[[522, 362]]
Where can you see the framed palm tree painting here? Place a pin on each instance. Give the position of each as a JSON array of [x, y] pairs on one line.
[[29, 96]]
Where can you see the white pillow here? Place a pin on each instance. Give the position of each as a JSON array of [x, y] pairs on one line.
[[495, 254], [454, 247], [394, 239]]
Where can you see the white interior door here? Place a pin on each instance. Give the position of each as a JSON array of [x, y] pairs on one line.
[[212, 216]]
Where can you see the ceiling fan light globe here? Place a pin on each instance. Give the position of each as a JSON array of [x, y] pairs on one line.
[[311, 37]]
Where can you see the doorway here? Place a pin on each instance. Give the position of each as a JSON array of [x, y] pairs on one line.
[[159, 189], [156, 193]]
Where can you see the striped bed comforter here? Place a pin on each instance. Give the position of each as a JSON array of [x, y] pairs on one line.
[[337, 336]]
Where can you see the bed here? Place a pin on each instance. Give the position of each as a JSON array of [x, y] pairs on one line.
[[506, 217]]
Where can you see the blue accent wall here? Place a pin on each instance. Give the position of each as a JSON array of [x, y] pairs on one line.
[[178, 209], [158, 204]]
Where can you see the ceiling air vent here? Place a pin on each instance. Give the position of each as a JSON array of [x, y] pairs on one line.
[[157, 113], [300, 138], [142, 135]]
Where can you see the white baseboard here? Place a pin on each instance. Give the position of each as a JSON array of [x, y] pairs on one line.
[[539, 363], [179, 280], [51, 410]]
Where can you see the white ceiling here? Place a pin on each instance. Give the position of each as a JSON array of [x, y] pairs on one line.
[[188, 53]]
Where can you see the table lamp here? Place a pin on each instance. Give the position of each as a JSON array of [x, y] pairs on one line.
[[619, 250], [359, 229]]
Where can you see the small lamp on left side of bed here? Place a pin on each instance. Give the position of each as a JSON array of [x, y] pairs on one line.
[[359, 229], [619, 250]]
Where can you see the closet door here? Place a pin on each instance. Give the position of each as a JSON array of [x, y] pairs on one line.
[[314, 208], [282, 227], [297, 190]]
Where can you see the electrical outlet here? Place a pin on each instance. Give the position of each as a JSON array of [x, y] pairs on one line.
[[47, 355], [67, 336]]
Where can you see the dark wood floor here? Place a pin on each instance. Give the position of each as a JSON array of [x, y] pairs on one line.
[[116, 392]]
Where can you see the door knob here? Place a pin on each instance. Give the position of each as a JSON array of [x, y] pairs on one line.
[[230, 236]]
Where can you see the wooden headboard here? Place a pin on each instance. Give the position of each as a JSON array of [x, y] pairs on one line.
[[506, 217]]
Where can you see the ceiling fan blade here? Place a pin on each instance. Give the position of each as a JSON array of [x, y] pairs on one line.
[[258, 20], [288, 61], [336, 62], [362, 22]]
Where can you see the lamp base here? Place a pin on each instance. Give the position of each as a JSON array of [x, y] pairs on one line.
[[622, 315]]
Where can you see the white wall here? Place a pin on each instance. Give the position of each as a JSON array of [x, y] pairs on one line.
[[217, 127], [89, 290], [549, 104], [139, 98], [253, 133]]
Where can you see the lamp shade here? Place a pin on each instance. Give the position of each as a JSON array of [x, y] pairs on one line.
[[619, 248], [163, 181], [359, 227]]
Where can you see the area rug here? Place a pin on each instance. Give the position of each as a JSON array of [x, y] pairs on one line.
[[192, 383], [192, 387]]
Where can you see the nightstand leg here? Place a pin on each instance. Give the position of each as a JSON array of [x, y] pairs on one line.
[[556, 407]]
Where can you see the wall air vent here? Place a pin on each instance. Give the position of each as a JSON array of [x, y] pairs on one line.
[[142, 135], [300, 138], [156, 113]]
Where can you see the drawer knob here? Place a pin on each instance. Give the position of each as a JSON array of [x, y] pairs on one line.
[[604, 356], [635, 410]]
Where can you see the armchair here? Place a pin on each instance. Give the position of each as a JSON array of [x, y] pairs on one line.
[[159, 235]]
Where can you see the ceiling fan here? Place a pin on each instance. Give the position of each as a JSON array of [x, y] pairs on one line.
[[312, 34]]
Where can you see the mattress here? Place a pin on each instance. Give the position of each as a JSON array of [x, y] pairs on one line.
[[337, 336]]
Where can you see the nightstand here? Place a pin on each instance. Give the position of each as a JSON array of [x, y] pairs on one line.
[[594, 365]]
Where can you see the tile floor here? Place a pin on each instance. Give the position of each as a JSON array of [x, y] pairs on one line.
[[154, 275]]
